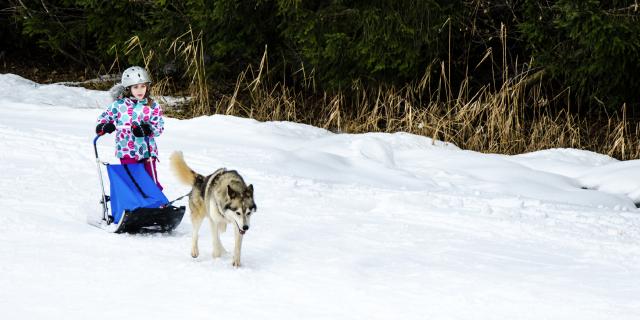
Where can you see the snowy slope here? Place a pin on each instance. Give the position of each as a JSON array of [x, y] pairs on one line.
[[370, 226]]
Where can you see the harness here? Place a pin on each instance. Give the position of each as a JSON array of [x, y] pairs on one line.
[[179, 198], [211, 181]]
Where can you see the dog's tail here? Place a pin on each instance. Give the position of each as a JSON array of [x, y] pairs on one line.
[[182, 170]]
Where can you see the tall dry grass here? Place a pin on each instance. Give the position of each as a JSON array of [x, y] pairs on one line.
[[510, 117], [516, 118], [190, 48]]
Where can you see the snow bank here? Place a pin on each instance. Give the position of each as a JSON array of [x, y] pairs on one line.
[[369, 226]]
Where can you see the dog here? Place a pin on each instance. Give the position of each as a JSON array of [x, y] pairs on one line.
[[223, 197]]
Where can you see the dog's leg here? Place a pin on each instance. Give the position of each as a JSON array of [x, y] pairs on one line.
[[218, 249], [236, 251], [196, 221]]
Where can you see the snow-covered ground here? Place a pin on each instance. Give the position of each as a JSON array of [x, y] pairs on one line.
[[368, 226]]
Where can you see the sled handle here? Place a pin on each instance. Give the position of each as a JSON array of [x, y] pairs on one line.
[[95, 148], [105, 215]]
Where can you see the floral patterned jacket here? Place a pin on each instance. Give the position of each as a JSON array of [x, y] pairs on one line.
[[127, 112]]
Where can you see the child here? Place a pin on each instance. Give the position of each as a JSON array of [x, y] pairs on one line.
[[135, 117]]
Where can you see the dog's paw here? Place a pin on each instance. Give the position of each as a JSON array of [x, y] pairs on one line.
[[194, 252], [218, 251], [236, 263]]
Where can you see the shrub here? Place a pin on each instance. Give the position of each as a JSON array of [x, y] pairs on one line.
[[591, 47]]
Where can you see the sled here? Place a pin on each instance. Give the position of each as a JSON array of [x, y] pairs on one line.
[[135, 203]]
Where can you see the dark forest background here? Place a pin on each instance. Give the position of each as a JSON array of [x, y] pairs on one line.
[[576, 56]]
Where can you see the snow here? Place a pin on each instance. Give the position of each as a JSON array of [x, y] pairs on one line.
[[366, 226]]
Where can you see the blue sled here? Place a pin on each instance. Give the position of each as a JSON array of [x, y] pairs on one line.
[[135, 203]]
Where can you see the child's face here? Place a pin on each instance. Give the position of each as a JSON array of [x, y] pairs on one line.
[[139, 90]]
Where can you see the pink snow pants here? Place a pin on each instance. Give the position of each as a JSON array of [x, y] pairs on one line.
[[149, 167]]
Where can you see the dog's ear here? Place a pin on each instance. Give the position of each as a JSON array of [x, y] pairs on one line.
[[250, 190], [232, 193]]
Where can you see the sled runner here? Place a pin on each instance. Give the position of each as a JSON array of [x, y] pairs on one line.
[[135, 203]]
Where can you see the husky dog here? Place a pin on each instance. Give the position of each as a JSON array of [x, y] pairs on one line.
[[223, 197]]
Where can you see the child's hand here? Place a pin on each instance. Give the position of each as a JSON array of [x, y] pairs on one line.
[[137, 131], [103, 128], [143, 130], [146, 128]]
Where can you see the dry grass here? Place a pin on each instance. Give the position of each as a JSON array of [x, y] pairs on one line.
[[514, 119], [190, 48], [508, 118]]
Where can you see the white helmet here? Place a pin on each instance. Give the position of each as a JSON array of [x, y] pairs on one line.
[[135, 75]]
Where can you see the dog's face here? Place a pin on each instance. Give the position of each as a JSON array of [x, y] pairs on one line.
[[240, 207]]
